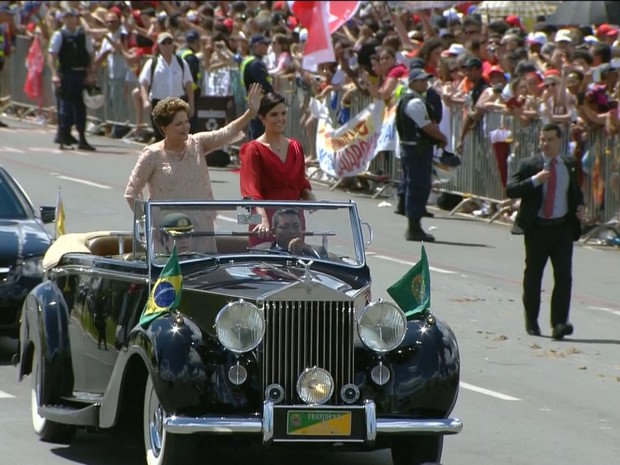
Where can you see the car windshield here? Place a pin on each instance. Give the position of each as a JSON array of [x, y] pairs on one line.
[[11, 202], [316, 231]]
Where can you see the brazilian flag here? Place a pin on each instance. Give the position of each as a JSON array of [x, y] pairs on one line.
[[166, 293], [412, 292]]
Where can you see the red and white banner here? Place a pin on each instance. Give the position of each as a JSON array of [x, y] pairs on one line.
[[321, 19]]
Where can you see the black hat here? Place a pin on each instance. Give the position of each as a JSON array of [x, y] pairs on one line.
[[473, 63]]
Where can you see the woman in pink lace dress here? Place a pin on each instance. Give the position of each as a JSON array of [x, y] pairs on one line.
[[175, 168]]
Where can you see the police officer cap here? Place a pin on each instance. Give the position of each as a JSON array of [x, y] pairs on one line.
[[192, 36], [177, 224], [418, 74], [259, 39], [416, 63]]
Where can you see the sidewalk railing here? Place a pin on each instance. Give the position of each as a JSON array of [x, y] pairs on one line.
[[478, 178]]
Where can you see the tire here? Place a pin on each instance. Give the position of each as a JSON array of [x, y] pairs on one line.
[[161, 447], [48, 431], [417, 450]]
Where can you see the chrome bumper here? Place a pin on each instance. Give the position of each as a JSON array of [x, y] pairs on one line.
[[264, 425]]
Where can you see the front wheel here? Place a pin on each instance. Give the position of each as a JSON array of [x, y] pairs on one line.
[[417, 450], [48, 431], [161, 447]]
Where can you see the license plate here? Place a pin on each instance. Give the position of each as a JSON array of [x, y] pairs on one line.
[[318, 423]]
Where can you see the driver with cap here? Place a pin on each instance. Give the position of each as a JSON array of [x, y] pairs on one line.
[[176, 228], [288, 231], [419, 133]]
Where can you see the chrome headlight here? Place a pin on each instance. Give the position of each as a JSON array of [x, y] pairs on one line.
[[240, 326], [381, 326], [32, 267], [315, 386]]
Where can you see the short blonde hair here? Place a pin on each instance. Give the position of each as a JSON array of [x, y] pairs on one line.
[[164, 111]]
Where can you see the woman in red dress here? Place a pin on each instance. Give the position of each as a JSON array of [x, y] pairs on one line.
[[273, 167]]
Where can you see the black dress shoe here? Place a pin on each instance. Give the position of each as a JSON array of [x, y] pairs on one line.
[[419, 236], [3, 125], [400, 207], [561, 330], [86, 146], [428, 214], [532, 330]]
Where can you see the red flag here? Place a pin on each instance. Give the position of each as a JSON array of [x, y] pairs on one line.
[[314, 15], [33, 86], [341, 12]]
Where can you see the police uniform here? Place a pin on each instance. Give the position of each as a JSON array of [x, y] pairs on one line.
[[253, 70], [74, 51], [417, 148]]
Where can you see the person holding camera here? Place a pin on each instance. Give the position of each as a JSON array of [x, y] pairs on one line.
[[418, 136]]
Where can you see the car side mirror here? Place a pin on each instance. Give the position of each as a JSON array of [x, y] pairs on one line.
[[368, 236], [48, 214]]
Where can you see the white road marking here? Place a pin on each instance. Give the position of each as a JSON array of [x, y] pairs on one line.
[[405, 262], [44, 150], [10, 149], [606, 309], [83, 181], [5, 395], [487, 392]]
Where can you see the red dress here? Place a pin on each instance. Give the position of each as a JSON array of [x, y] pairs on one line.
[[265, 177]]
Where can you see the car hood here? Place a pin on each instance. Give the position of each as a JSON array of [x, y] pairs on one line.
[[261, 280], [23, 238]]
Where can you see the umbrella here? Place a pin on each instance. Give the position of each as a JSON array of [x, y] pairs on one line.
[[521, 9], [577, 13], [430, 5]]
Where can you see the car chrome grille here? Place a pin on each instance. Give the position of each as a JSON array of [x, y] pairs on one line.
[[301, 335]]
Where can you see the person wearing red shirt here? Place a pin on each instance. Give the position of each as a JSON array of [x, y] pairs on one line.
[[273, 166]]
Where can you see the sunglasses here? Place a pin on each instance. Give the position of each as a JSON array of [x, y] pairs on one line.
[[167, 42], [472, 32], [551, 84]]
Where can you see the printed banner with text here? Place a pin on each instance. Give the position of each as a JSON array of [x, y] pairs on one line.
[[348, 150]]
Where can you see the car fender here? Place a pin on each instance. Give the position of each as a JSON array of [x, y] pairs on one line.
[[424, 371], [44, 327]]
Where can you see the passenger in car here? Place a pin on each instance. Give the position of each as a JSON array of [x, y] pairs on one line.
[[273, 166], [175, 168]]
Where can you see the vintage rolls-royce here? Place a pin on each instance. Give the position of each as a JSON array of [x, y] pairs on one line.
[[276, 337]]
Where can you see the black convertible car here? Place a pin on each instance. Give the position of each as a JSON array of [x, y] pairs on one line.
[[23, 242], [276, 340]]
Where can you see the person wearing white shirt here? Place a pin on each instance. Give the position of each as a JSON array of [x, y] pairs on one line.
[[111, 51], [170, 76]]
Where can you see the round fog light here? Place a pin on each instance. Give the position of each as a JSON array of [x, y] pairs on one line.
[[349, 393], [237, 374], [274, 393], [315, 386], [380, 374]]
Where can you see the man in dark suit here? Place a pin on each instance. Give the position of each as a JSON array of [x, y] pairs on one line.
[[549, 216]]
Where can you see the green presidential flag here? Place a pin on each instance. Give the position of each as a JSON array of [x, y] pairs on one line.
[[166, 293], [412, 292]]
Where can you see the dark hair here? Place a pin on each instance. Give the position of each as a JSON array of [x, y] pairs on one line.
[[269, 101], [275, 219], [602, 50], [164, 111], [584, 55], [429, 45], [553, 127], [498, 27]]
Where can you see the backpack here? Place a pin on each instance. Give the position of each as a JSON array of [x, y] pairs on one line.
[[154, 65]]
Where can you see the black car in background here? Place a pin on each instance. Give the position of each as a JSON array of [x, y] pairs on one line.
[[23, 242]]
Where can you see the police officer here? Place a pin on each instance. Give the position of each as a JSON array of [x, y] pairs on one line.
[[434, 106], [188, 53], [176, 228], [253, 69], [71, 62], [418, 135]]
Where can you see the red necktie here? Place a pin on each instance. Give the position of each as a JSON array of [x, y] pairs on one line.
[[551, 183]]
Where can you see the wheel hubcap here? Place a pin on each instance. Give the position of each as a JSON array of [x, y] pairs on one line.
[[156, 425]]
